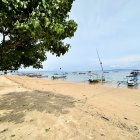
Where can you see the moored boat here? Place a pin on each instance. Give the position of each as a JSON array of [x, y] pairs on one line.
[[59, 77], [96, 80], [135, 72], [132, 80]]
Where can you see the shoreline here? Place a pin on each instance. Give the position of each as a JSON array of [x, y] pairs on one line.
[[20, 80], [101, 85], [34, 108], [113, 79]]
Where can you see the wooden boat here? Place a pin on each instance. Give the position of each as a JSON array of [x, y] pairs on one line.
[[94, 78], [106, 71], [82, 73], [135, 72], [34, 75], [58, 77], [94, 81], [102, 79]]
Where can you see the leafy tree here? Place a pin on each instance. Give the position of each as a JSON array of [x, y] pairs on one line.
[[30, 28]]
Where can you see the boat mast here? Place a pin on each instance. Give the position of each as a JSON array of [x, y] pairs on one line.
[[101, 64]]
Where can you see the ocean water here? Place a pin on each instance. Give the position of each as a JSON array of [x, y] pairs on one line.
[[114, 78]]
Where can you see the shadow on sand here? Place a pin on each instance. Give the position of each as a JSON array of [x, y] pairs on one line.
[[15, 105]]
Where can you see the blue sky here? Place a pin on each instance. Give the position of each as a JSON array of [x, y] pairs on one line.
[[111, 26]]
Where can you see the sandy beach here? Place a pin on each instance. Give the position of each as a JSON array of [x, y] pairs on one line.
[[40, 109]]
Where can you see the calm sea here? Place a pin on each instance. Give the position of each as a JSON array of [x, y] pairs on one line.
[[114, 78]]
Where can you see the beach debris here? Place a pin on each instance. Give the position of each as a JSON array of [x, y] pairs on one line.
[[135, 128], [86, 112], [105, 118], [13, 135], [85, 99], [138, 105], [92, 115], [130, 128], [31, 120], [79, 100], [46, 130], [30, 133], [4, 130], [125, 118], [102, 134]]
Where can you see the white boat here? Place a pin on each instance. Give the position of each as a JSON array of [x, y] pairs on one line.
[[132, 80]]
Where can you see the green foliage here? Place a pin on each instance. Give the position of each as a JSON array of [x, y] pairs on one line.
[[33, 27]]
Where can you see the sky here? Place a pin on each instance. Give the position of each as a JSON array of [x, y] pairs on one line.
[[111, 26]]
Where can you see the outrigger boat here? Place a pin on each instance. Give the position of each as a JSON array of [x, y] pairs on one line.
[[94, 78], [82, 72], [97, 80], [58, 77], [94, 81], [33, 75], [132, 80], [135, 72]]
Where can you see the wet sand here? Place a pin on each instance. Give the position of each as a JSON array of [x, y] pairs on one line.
[[39, 109]]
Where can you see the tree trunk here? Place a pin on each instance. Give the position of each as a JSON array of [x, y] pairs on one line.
[[1, 50]]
